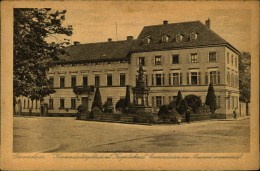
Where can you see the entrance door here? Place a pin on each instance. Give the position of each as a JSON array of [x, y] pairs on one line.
[[84, 101]]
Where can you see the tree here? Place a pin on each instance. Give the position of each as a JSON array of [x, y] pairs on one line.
[[211, 99], [127, 99], [244, 76], [33, 54], [194, 102], [183, 107], [120, 104], [97, 102], [179, 98]]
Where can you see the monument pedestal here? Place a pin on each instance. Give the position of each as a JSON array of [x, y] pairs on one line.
[[140, 109]]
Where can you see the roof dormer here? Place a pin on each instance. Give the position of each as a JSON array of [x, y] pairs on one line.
[[146, 40], [165, 39], [179, 37], [193, 35]]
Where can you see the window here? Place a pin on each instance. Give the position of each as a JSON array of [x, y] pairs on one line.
[[228, 78], [62, 82], [236, 61], [212, 57], [146, 40], [122, 79], [228, 104], [215, 77], [50, 103], [232, 79], [32, 104], [165, 39], [158, 101], [193, 36], [73, 81], [141, 61], [109, 99], [36, 104], [236, 81], [97, 80], [24, 103], [175, 59], [176, 78], [227, 58], [85, 80], [109, 80], [62, 103], [73, 103], [159, 79], [193, 78], [178, 38], [28, 104], [218, 101], [193, 58], [51, 82], [232, 60], [157, 60]]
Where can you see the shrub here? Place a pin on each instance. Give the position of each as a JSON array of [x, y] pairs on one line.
[[82, 109], [194, 102], [172, 105], [183, 107], [145, 118], [211, 98], [127, 103], [95, 111], [163, 112], [204, 109], [97, 100], [108, 107], [179, 99], [120, 105], [173, 115]]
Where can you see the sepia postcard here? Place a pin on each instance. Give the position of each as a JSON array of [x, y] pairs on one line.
[[129, 85]]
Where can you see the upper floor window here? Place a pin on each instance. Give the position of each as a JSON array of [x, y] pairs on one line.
[[232, 60], [193, 78], [227, 58], [122, 79], [146, 40], [141, 61], [97, 80], [157, 60], [193, 57], [176, 79], [179, 38], [212, 56], [175, 59], [159, 79], [62, 82], [73, 81], [85, 80], [109, 80], [214, 77], [228, 78], [165, 39], [51, 82], [236, 63], [193, 36]]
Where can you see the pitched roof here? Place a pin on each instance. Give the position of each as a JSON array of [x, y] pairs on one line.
[[118, 50], [205, 37]]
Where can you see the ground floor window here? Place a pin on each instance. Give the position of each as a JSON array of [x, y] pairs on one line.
[[24, 103], [36, 104], [159, 101], [228, 103], [73, 103], [62, 103], [28, 104], [218, 102], [50, 103]]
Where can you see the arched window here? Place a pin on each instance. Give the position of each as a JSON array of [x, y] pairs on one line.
[[165, 39], [179, 38], [146, 40], [193, 36]]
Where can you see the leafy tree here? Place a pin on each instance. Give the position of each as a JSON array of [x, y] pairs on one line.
[[97, 102], [179, 98], [33, 54], [244, 76], [163, 112], [211, 99], [194, 102], [127, 99], [183, 107], [120, 104]]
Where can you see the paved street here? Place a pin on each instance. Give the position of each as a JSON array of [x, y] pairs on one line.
[[63, 134]]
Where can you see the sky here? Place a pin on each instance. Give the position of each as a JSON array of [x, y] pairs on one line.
[[96, 21]]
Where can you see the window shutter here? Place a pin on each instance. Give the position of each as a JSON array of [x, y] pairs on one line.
[[170, 79], [199, 78], [188, 78], [218, 77], [180, 78], [206, 78]]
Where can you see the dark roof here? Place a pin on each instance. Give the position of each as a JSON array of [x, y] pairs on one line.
[[206, 36], [104, 51]]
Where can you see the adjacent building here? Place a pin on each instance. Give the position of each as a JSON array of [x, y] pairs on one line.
[[183, 56]]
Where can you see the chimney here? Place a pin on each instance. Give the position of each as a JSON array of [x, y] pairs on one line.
[[109, 39], [207, 23], [165, 22], [76, 43], [129, 37]]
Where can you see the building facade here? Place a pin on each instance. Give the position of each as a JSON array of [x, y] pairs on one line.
[[179, 56]]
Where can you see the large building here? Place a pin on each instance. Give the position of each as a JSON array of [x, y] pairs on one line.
[[183, 56]]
